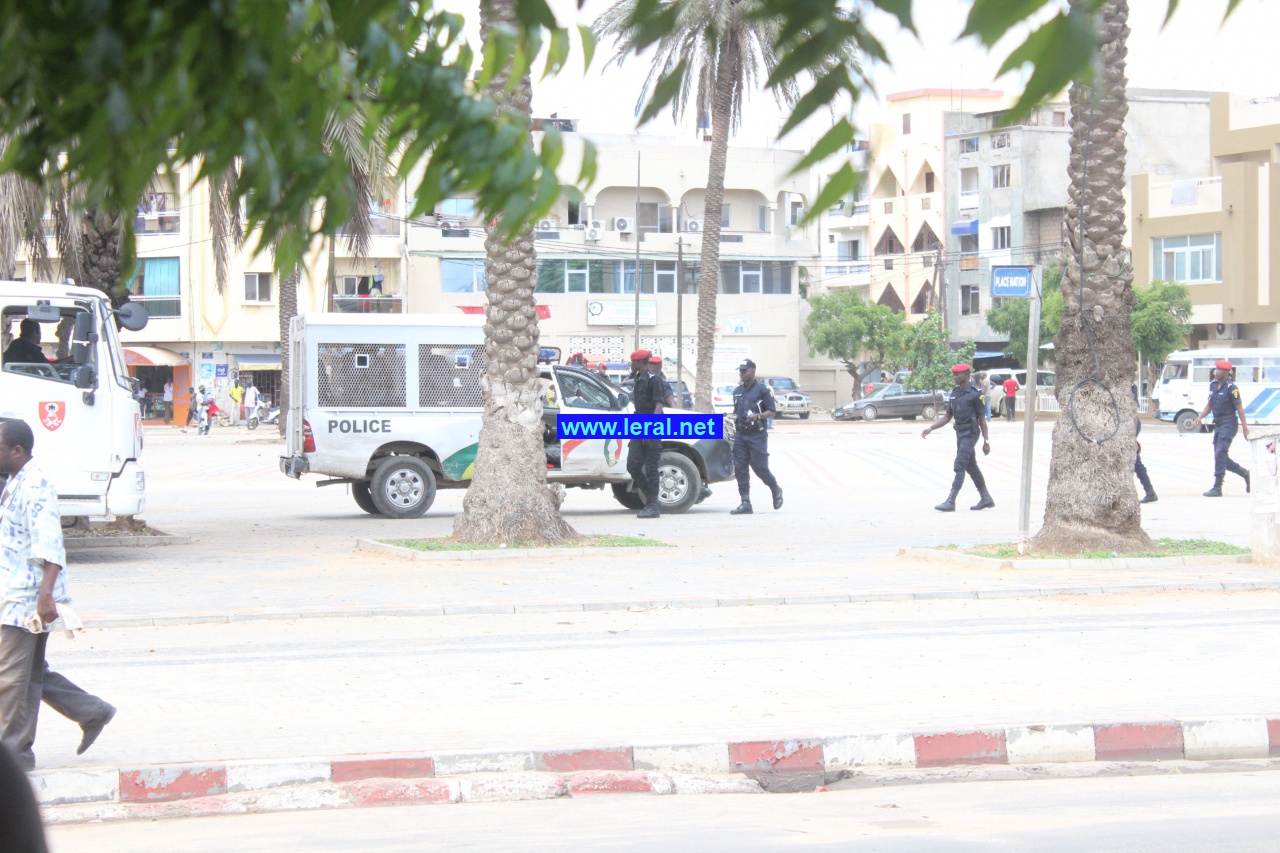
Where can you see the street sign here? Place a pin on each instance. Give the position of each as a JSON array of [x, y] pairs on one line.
[[1011, 282]]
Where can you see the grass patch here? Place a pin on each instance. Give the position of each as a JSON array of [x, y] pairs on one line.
[[599, 540], [1163, 548]]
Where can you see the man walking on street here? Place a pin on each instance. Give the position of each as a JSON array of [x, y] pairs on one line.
[[966, 409], [168, 401], [251, 396], [1011, 389], [1139, 468], [649, 393], [753, 405], [237, 401], [31, 558], [1228, 418]]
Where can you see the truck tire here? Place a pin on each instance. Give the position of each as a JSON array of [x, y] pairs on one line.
[[804, 416], [1186, 422], [403, 487], [680, 482], [623, 494], [364, 498]]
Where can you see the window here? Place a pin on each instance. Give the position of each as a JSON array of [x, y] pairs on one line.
[[462, 275], [969, 180], [970, 300], [797, 212], [1000, 140], [847, 250], [566, 276], [906, 123], [889, 244], [455, 233], [752, 278], [1192, 259], [926, 240], [928, 182], [969, 145], [926, 204], [968, 244], [767, 277], [157, 285], [726, 211], [888, 207], [1000, 176], [581, 392], [574, 214], [665, 277], [764, 219], [888, 263], [458, 208], [1001, 237], [655, 218], [257, 287], [1059, 118]]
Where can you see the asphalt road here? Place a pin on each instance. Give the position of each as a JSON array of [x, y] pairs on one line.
[[1221, 812]]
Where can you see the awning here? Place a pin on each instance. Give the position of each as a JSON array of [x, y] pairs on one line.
[[152, 357], [988, 354], [965, 228], [260, 359]]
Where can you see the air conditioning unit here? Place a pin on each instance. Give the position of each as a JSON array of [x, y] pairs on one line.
[[693, 226], [597, 224], [595, 232], [1228, 331], [547, 225], [624, 224]]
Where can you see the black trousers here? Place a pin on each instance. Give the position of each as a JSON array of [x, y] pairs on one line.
[[1223, 435], [642, 464], [751, 453], [967, 462]]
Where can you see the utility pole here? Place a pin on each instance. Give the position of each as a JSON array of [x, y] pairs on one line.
[[940, 276], [679, 320], [637, 237]]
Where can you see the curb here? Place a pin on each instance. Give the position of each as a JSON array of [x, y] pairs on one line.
[[1192, 562], [789, 764], [81, 543], [503, 553]]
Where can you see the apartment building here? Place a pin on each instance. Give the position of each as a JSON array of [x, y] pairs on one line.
[[1219, 232], [1011, 185]]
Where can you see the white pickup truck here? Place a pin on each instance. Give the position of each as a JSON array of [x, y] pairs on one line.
[[390, 404], [77, 399]]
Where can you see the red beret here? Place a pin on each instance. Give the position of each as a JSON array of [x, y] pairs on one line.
[[960, 368], [641, 355], [657, 359], [1223, 364]]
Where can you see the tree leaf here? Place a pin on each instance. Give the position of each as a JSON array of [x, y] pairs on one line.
[[664, 92], [557, 52], [823, 92], [590, 164], [989, 20], [534, 14], [843, 182], [588, 46], [840, 135], [1060, 51]]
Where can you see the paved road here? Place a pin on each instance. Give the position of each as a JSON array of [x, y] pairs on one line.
[[1221, 812], [358, 685], [856, 493]]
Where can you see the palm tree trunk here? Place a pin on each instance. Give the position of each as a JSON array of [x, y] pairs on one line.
[[509, 500], [1092, 503], [709, 265], [288, 310], [102, 254]]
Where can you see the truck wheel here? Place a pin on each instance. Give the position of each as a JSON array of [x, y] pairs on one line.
[[804, 416], [364, 498], [403, 487], [680, 482], [1186, 422], [624, 495]]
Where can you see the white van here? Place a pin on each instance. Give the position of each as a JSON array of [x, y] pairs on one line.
[[1045, 379], [80, 405], [1184, 384], [390, 404]]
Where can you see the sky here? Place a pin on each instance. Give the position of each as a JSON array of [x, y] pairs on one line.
[[1196, 51]]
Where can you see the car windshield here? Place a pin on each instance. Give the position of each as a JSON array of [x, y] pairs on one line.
[[880, 392], [784, 385]]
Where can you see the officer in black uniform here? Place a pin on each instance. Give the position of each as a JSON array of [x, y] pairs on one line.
[[967, 409], [642, 453], [1138, 467], [753, 405], [1224, 401]]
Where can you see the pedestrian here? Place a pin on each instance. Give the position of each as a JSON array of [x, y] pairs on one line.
[[602, 370], [31, 549], [1138, 467], [984, 388], [965, 411], [1228, 418], [251, 398], [237, 401], [168, 401], [1011, 388], [649, 394], [205, 402], [577, 360], [753, 405], [193, 409]]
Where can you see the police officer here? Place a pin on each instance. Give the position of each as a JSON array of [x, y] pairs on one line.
[[753, 405], [967, 409], [1224, 401], [1138, 467], [649, 394]]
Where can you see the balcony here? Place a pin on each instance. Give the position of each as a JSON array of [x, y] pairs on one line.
[[1179, 198], [969, 200], [367, 305], [380, 225], [160, 307], [160, 222]]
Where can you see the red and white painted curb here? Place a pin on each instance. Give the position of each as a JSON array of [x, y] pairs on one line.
[[713, 767]]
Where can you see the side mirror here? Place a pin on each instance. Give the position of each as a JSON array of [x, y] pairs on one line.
[[84, 377], [83, 337], [132, 316], [624, 399]]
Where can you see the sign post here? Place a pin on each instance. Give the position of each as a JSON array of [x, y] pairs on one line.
[[1023, 283]]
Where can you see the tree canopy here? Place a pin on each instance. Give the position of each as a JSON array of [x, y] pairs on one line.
[[1161, 320], [924, 348], [842, 326], [1011, 317]]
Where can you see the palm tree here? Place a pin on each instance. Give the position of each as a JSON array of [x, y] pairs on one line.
[[1092, 503], [509, 500], [729, 51]]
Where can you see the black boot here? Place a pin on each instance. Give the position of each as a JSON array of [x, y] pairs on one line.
[[650, 511], [985, 503], [744, 508], [1149, 498], [1216, 491], [777, 496], [949, 505], [1248, 486]]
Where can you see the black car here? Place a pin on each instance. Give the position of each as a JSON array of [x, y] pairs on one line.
[[892, 401]]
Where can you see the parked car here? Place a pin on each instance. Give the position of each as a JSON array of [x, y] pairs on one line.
[[1045, 379], [722, 398], [892, 401], [790, 398]]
